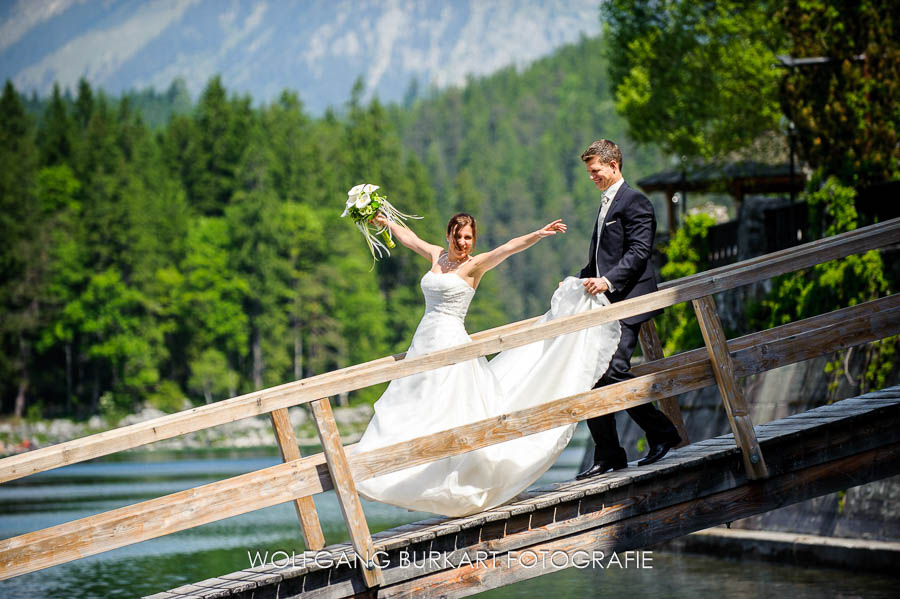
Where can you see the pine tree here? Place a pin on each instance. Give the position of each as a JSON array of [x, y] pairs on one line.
[[223, 127], [55, 137], [18, 221]]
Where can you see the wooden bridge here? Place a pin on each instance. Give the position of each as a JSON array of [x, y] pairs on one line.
[[599, 522], [754, 469]]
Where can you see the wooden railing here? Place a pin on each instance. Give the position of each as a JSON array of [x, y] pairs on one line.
[[298, 478]]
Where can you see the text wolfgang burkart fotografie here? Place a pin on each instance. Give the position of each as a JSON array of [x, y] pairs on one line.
[[436, 560]]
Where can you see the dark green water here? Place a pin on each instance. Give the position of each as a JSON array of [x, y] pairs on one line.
[[77, 491]]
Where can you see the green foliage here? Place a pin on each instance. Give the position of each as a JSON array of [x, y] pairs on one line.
[[157, 108], [122, 337], [55, 138], [212, 377], [684, 257], [112, 409], [207, 257], [845, 111], [35, 412], [695, 77], [214, 153], [167, 397], [838, 283], [842, 501], [832, 285]]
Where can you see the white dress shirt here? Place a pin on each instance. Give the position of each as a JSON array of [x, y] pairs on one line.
[[608, 196]]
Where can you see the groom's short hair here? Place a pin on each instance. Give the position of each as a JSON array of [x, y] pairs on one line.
[[606, 150]]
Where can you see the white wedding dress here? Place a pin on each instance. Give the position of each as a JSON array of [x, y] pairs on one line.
[[448, 397]]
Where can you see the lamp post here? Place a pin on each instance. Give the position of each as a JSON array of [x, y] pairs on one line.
[[790, 63], [789, 126]]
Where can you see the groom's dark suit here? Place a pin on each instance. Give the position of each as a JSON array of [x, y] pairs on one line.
[[623, 257]]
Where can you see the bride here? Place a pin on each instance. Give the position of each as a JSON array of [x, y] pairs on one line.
[[451, 396]]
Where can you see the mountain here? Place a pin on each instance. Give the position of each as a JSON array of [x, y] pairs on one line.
[[316, 47]]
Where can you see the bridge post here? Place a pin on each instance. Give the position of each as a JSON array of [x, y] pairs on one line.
[[732, 396], [652, 349], [306, 508], [345, 489]]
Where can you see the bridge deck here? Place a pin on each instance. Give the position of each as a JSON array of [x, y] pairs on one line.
[[809, 454]]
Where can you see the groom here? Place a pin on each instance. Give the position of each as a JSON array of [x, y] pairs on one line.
[[619, 265]]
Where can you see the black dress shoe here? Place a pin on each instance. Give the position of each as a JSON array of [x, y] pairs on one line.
[[601, 466], [659, 450]]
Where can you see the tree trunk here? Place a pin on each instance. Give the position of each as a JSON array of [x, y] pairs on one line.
[[19, 409], [20, 397], [298, 352], [256, 350], [68, 348]]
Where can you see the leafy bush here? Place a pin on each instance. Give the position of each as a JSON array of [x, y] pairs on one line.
[[834, 285], [167, 397], [686, 255]]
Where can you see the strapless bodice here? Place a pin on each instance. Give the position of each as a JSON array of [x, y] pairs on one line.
[[446, 294]]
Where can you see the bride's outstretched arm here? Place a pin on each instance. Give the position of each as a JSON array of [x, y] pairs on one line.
[[409, 239], [488, 260]]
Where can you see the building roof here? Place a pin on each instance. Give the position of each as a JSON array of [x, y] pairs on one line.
[[738, 178]]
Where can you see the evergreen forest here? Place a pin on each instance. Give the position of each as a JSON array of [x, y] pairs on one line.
[[173, 253]]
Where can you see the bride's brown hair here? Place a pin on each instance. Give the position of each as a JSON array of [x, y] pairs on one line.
[[460, 220]]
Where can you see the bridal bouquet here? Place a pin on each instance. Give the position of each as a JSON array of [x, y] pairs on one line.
[[363, 203]]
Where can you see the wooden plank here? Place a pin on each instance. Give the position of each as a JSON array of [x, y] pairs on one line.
[[385, 369], [306, 508], [799, 327], [653, 527], [164, 515], [345, 489], [285, 482], [830, 248], [652, 350], [640, 517], [732, 393], [689, 485]]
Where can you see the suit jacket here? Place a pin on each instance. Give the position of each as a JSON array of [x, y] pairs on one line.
[[623, 256]]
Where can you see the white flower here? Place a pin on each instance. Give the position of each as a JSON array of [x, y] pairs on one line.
[[359, 196]]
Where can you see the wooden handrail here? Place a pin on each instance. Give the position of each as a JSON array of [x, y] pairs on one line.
[[489, 342], [752, 354]]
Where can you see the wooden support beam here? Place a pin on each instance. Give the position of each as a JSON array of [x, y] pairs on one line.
[[754, 353], [306, 508], [732, 394], [652, 349], [345, 488]]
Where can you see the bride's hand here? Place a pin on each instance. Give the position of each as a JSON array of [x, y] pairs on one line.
[[553, 228], [380, 219]]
